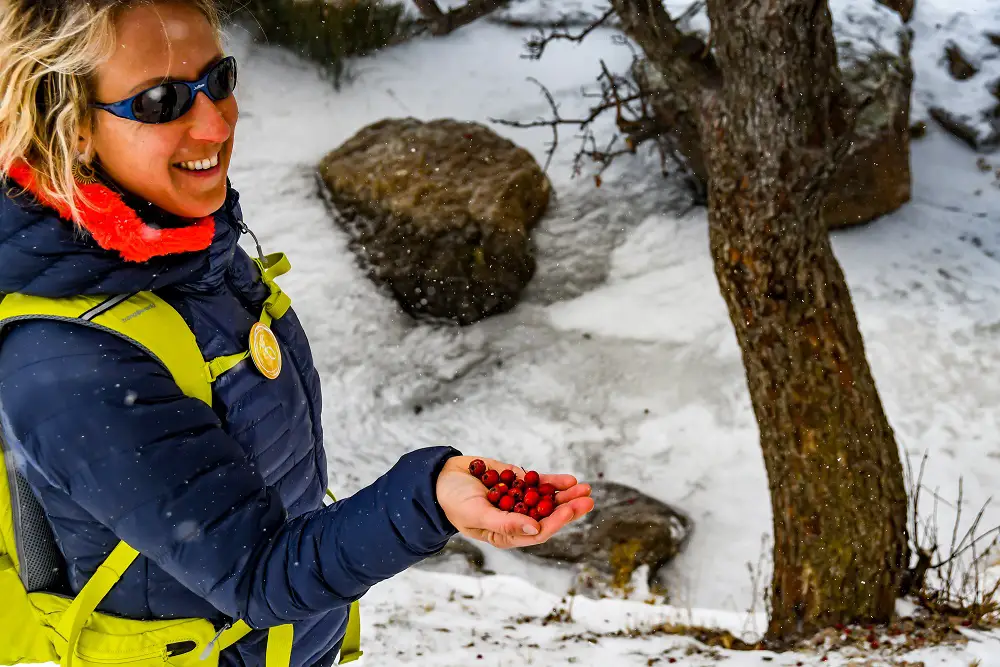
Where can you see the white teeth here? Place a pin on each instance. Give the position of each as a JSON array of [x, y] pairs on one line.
[[200, 165]]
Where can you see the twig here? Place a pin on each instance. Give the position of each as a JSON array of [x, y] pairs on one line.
[[535, 46]]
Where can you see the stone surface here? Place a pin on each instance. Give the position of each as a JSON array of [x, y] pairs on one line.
[[873, 180], [440, 212], [626, 530]]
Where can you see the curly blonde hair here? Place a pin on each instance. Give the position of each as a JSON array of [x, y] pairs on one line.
[[49, 51]]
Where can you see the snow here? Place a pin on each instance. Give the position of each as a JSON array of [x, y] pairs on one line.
[[621, 359]]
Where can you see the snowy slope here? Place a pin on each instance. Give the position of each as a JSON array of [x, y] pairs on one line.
[[621, 360]]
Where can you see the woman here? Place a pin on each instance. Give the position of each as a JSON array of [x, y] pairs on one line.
[[117, 124]]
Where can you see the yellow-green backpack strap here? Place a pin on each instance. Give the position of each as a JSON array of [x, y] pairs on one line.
[[143, 319], [107, 575], [350, 649]]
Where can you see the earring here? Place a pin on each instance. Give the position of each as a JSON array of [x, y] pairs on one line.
[[83, 172]]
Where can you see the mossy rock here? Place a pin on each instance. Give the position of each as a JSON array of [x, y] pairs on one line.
[[626, 530], [440, 212]]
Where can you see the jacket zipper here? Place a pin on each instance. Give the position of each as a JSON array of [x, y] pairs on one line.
[[211, 645]]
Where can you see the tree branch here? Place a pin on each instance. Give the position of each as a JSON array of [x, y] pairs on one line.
[[633, 118], [536, 45], [441, 23], [429, 9], [684, 60]]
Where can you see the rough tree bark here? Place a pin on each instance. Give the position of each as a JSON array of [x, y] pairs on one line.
[[772, 130]]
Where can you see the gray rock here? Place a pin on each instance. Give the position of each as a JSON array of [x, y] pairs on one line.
[[626, 530]]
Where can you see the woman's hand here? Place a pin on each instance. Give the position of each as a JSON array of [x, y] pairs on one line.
[[463, 499]]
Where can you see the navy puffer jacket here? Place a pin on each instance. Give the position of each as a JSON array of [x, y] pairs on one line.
[[225, 504]]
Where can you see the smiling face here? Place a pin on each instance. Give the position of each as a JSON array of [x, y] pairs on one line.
[[164, 163]]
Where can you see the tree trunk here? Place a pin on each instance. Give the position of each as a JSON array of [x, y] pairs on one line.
[[837, 489]]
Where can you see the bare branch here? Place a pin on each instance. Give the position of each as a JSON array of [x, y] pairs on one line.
[[685, 60], [536, 45], [633, 119]]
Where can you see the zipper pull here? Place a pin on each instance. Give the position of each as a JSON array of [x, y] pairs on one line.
[[211, 645], [246, 230]]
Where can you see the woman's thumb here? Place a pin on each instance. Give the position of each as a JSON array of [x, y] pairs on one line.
[[509, 526]]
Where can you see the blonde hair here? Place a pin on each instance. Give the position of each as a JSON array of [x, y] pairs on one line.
[[49, 51]]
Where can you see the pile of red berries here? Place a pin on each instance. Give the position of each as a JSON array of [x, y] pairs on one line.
[[514, 494]]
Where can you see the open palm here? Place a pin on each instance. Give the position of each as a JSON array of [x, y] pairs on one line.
[[463, 499]]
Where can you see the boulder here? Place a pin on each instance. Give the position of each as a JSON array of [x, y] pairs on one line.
[[872, 181], [625, 531], [439, 212]]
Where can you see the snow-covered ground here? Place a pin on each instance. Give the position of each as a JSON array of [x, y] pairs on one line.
[[621, 358]]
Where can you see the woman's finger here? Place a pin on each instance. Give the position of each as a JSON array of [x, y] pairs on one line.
[[578, 491], [559, 481], [505, 526]]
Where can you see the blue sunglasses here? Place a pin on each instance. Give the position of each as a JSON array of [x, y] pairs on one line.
[[169, 101]]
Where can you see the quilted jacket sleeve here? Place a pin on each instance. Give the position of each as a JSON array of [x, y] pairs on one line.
[[108, 425]]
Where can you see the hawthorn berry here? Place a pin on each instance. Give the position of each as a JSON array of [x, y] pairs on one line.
[[519, 484], [531, 497], [520, 508], [477, 468], [506, 503], [546, 490], [502, 488], [518, 494], [490, 478], [544, 507], [508, 477], [533, 513], [531, 478], [494, 495]]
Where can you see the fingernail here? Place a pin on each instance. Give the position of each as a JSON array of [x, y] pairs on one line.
[[529, 529]]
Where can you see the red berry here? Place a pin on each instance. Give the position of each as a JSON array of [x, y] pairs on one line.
[[531, 478], [494, 496], [508, 477], [490, 478], [533, 513], [519, 484], [502, 488], [477, 467], [506, 503], [544, 507], [518, 494], [531, 497], [546, 490], [521, 508]]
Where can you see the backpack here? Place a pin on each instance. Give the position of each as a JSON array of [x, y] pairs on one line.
[[38, 625]]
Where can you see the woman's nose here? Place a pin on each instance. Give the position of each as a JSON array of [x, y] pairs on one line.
[[207, 122]]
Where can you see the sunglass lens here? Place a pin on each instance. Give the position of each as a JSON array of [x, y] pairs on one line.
[[222, 80], [162, 104]]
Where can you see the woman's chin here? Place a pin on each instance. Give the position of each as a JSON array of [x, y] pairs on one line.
[[195, 202]]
